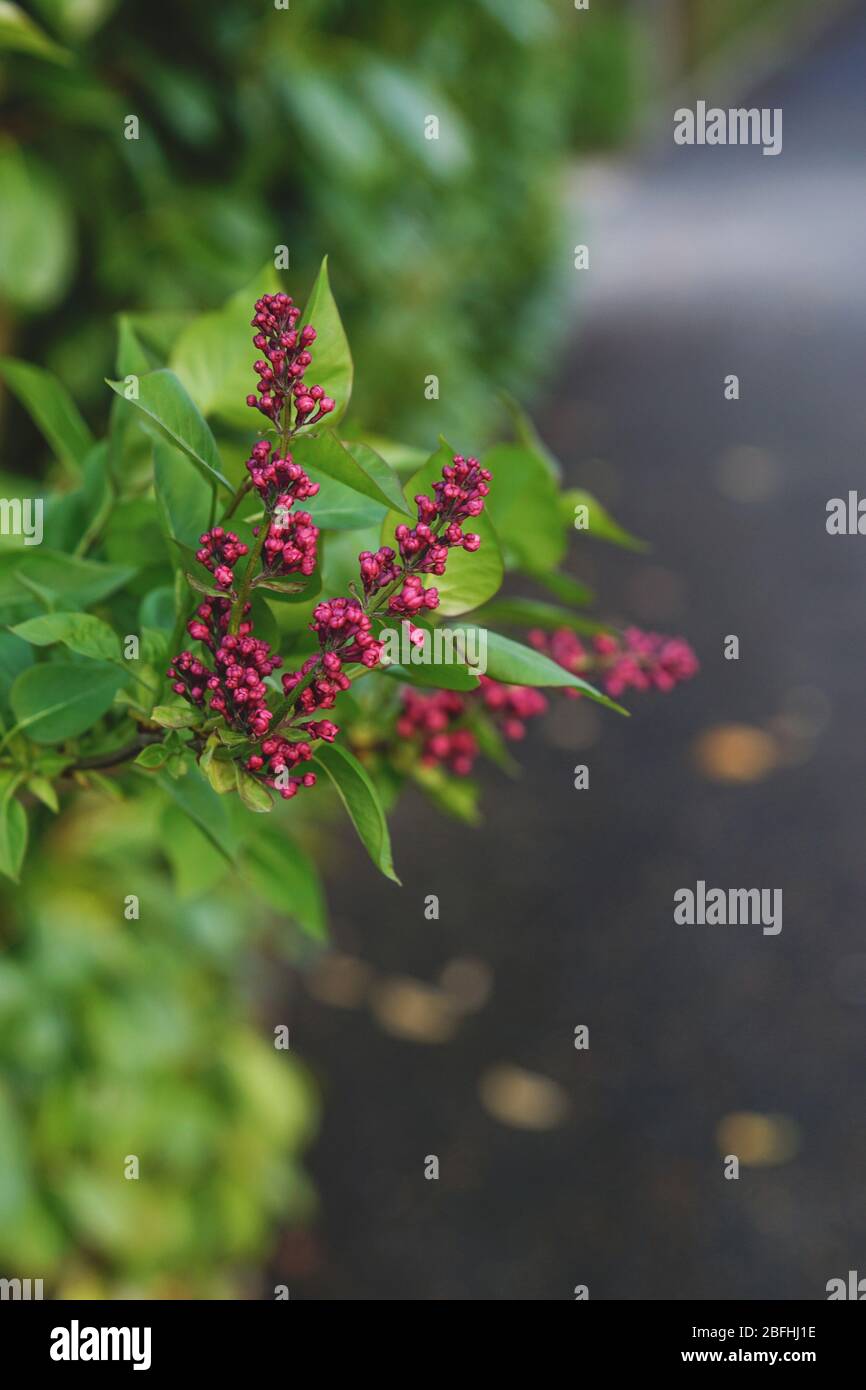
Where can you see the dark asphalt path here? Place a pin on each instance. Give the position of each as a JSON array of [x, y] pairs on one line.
[[705, 262]]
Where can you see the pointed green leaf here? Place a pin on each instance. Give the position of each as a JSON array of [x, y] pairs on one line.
[[13, 828], [253, 794], [80, 632], [562, 586], [131, 358], [177, 716], [19, 34], [514, 664], [531, 612], [524, 506], [586, 514], [201, 803], [332, 361], [52, 409], [61, 699], [287, 880], [164, 399], [528, 435], [356, 466], [361, 800]]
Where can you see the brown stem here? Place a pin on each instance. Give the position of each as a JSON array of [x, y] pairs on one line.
[[121, 755], [238, 498]]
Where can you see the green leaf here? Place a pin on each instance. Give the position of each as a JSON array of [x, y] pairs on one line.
[[164, 399], [69, 577], [524, 505], [15, 657], [154, 647], [531, 612], [80, 632], [451, 674], [158, 609], [154, 755], [52, 409], [470, 579], [177, 716], [222, 775], [529, 437], [132, 358], [562, 586], [361, 800], [37, 232], [60, 699], [441, 676], [332, 361], [13, 828], [159, 329], [455, 796], [514, 664], [214, 356], [44, 792], [19, 34], [356, 466], [197, 866], [594, 521], [74, 519], [336, 507], [253, 794], [202, 588], [201, 803], [296, 588], [287, 880], [492, 743]]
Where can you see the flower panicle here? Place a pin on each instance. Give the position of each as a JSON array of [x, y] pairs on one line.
[[283, 364], [439, 722], [233, 686]]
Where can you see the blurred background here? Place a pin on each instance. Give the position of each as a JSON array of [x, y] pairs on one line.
[[454, 1037]]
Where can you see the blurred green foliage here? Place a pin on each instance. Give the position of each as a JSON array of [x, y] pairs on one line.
[[258, 128], [125, 1037], [305, 127]]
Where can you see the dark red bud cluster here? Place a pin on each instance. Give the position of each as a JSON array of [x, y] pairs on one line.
[[424, 547], [284, 361], [278, 758], [511, 705], [431, 716], [220, 551], [378, 569], [275, 478], [235, 687], [635, 661], [344, 633], [439, 719], [291, 544]]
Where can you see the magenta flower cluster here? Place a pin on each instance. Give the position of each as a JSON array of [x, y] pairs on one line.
[[635, 661], [291, 543], [440, 721], [234, 685], [220, 552], [344, 626], [285, 359], [424, 547]]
